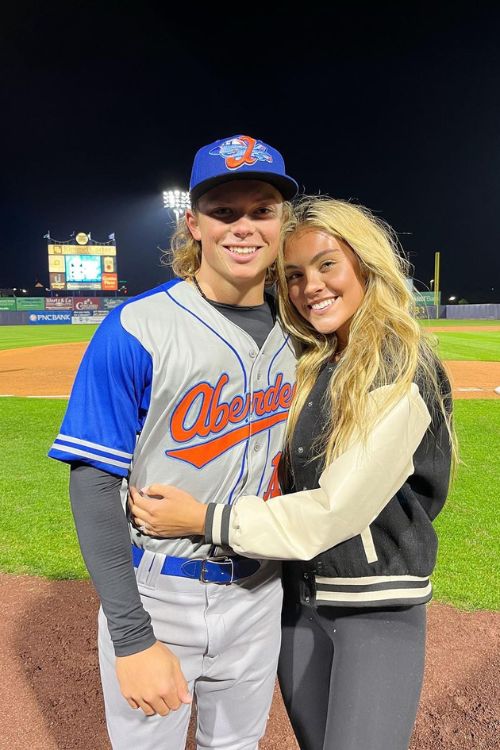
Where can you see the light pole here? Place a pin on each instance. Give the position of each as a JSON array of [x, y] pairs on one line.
[[177, 200], [437, 266]]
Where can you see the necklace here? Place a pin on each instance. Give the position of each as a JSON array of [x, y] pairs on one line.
[[195, 282]]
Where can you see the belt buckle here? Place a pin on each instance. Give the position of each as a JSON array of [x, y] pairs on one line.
[[224, 559]]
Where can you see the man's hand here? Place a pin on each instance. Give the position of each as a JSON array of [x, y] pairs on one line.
[[152, 680], [162, 510]]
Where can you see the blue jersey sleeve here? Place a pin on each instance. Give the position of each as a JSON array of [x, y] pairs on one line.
[[109, 401]]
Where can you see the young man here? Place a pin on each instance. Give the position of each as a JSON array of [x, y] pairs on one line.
[[188, 384]]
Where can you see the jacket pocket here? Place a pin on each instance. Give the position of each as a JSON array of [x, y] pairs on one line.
[[368, 545]]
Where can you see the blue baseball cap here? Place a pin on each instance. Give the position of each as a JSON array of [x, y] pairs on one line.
[[239, 157]]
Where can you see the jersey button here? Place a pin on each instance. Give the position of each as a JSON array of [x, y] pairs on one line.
[[256, 447], [252, 353], [300, 450], [310, 403]]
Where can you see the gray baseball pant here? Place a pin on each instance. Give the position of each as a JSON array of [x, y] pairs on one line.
[[227, 639]]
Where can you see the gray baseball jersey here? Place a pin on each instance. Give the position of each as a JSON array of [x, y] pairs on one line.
[[171, 391]]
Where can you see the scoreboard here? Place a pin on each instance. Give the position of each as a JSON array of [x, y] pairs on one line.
[[82, 266]]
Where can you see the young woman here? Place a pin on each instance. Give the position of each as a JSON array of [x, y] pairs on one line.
[[365, 470]]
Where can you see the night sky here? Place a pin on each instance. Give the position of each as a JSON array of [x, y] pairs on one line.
[[103, 106]]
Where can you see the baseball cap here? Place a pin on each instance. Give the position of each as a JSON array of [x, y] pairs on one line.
[[239, 157]]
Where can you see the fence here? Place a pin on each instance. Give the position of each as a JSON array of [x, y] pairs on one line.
[[55, 310]]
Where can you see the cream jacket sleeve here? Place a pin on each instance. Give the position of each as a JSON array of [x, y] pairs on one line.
[[353, 490]]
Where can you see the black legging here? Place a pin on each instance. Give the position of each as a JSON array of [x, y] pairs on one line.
[[351, 677]]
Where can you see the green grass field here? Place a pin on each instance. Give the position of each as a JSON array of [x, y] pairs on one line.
[[38, 536], [470, 345], [482, 346], [431, 323], [468, 568], [16, 337], [37, 530]]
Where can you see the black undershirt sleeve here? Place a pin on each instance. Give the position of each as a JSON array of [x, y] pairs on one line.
[[104, 538]]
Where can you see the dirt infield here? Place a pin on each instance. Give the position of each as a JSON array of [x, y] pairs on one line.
[[49, 371], [40, 370], [474, 379], [51, 698]]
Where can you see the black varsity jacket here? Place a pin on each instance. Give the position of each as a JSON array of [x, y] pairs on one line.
[[389, 560]]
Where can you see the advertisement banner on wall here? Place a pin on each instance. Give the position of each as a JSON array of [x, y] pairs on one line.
[[87, 303], [30, 303], [426, 298], [50, 318], [109, 303], [7, 303], [59, 303], [88, 319]]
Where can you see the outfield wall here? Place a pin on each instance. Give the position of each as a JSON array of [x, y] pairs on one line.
[[460, 312], [24, 311], [87, 304], [80, 310], [51, 317]]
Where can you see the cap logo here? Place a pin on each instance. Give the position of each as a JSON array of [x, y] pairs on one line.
[[237, 152]]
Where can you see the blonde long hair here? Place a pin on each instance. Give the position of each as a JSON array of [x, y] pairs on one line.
[[386, 343]]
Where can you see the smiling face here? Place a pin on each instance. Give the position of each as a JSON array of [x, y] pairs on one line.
[[325, 283], [238, 224]]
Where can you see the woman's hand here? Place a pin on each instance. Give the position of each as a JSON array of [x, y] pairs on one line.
[[162, 510]]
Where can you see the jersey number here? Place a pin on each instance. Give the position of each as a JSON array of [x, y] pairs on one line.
[[273, 488]]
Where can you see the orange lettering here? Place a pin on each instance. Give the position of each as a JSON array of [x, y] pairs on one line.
[[272, 394], [204, 410], [236, 409], [286, 395], [219, 413], [200, 455], [200, 427], [258, 403]]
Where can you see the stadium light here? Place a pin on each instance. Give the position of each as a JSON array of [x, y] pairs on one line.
[[177, 200]]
